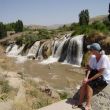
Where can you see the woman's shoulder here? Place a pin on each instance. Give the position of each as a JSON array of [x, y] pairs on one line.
[[92, 57], [105, 57]]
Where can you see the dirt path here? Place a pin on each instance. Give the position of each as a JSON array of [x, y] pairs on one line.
[[62, 105], [6, 105]]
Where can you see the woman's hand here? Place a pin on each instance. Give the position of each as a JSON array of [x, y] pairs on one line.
[[85, 80]]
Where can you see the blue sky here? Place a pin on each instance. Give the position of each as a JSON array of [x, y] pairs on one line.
[[48, 12]]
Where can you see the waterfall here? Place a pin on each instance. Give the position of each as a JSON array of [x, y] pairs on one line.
[[9, 48], [40, 56], [56, 52], [66, 49], [14, 50], [58, 47], [74, 51], [34, 49]]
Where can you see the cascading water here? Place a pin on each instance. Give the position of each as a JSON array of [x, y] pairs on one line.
[[59, 46], [66, 49], [74, 51], [14, 50], [34, 49], [9, 48], [40, 56], [56, 51]]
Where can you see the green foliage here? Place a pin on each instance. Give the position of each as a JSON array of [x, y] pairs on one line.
[[84, 17], [73, 26], [10, 26], [19, 40], [107, 24], [109, 12], [42, 102], [99, 25], [84, 29], [41, 99], [53, 33], [5, 88], [30, 38], [87, 29], [64, 28], [4, 96], [3, 32], [43, 34], [18, 26], [33, 93], [63, 95]]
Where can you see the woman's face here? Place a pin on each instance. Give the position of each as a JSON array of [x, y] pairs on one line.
[[94, 52]]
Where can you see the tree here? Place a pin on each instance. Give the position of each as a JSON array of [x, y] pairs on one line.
[[3, 32], [109, 12], [84, 17], [18, 26], [87, 16], [10, 26]]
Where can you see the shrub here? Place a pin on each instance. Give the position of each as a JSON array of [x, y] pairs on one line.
[[20, 106], [31, 38], [43, 34], [63, 95], [4, 96], [99, 25], [42, 102], [5, 87]]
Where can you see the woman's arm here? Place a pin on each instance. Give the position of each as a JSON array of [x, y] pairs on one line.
[[100, 72], [88, 69]]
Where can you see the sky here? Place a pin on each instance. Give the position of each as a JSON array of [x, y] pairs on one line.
[[49, 12]]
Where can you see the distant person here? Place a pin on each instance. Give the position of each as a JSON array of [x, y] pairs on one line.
[[97, 74]]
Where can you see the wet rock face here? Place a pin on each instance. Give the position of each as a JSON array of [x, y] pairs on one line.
[[47, 49], [64, 51], [101, 101]]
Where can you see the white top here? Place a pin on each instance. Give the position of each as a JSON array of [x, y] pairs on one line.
[[104, 63]]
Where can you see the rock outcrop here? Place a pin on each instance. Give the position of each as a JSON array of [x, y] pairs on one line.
[[101, 101]]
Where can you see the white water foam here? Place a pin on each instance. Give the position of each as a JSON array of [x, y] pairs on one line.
[[65, 63], [21, 59], [14, 52], [49, 60]]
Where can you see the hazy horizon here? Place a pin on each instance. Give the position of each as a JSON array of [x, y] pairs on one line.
[[49, 12]]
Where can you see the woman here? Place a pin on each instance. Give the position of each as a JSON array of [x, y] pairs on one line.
[[97, 74]]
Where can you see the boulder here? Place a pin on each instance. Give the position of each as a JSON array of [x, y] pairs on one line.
[[101, 101]]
